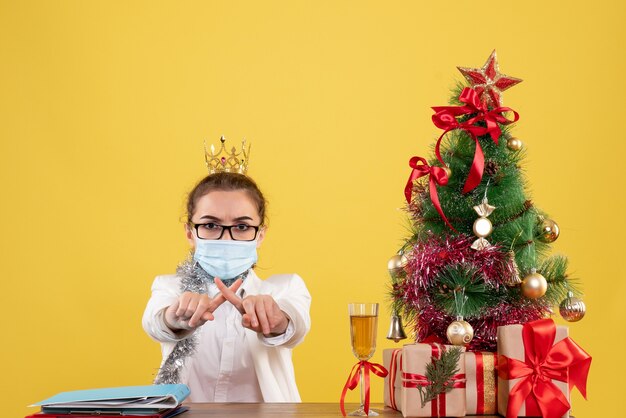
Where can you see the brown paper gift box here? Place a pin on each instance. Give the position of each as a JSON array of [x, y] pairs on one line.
[[393, 381], [510, 344], [481, 380], [415, 357]]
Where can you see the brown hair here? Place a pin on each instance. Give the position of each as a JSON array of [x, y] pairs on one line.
[[226, 182]]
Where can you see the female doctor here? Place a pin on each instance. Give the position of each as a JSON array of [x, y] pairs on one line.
[[223, 331]]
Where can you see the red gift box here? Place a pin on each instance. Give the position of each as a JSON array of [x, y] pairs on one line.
[[538, 365]]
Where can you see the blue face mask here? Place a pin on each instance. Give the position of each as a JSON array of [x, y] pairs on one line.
[[224, 258]]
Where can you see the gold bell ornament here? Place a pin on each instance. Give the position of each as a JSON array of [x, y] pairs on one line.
[[396, 266], [396, 330]]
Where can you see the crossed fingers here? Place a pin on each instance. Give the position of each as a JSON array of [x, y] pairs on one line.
[[260, 313], [194, 309]]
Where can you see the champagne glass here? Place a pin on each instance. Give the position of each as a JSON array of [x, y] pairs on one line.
[[363, 322]]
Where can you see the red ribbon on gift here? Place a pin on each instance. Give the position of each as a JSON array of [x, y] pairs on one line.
[[545, 361], [396, 356], [445, 117], [480, 383], [437, 176], [483, 403], [364, 367], [438, 405], [414, 380]]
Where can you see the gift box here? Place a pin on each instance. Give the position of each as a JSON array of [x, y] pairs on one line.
[[538, 365], [481, 382], [392, 361], [415, 358]]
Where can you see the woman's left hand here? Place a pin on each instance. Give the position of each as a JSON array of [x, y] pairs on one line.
[[260, 313]]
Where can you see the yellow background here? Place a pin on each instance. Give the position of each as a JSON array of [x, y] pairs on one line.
[[104, 107]]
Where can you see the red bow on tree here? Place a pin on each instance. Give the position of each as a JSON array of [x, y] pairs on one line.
[[438, 176], [544, 361], [445, 117]]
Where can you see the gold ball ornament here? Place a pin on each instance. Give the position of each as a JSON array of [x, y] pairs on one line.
[[572, 309], [514, 144], [460, 332], [549, 231], [534, 285], [397, 263], [482, 227]]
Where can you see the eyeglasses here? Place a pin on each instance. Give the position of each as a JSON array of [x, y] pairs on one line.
[[239, 232]]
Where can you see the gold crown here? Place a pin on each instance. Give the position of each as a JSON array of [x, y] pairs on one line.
[[223, 161]]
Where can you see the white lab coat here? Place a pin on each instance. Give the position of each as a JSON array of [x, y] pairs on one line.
[[272, 363]]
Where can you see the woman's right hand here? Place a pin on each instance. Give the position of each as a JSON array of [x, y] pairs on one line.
[[192, 310]]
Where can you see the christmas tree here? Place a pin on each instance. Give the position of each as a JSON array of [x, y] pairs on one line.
[[478, 255]]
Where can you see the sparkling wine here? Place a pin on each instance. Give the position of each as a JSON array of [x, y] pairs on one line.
[[363, 333]]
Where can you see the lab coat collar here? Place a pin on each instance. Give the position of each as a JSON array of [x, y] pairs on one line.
[[251, 285]]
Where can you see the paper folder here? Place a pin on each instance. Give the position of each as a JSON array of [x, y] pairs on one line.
[[152, 399], [167, 413]]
